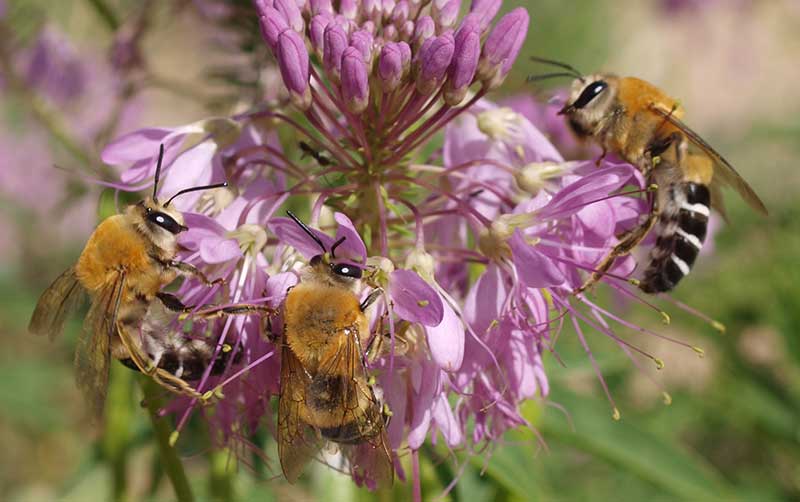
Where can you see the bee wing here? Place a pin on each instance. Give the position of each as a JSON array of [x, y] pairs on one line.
[[367, 450], [725, 171], [57, 301], [297, 441], [93, 354]]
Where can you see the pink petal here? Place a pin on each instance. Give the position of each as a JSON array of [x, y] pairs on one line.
[[290, 233], [353, 247], [278, 285], [577, 195], [414, 299], [200, 227], [535, 269], [219, 250], [446, 421], [421, 406], [192, 168], [446, 340]]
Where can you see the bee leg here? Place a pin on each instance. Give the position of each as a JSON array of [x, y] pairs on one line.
[[601, 157], [629, 241], [370, 299], [190, 270]]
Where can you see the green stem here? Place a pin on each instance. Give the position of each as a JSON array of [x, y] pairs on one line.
[[221, 472], [106, 13], [161, 427], [117, 435]]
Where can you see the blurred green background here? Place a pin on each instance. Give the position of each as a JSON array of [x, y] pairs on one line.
[[732, 430]]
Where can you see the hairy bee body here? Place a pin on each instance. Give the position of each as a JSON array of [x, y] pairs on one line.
[[639, 122], [325, 391], [126, 262]]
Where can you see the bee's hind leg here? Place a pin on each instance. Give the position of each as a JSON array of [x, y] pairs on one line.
[[627, 243]]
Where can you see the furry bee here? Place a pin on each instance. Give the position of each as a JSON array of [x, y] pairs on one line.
[[642, 124], [325, 393], [128, 259]]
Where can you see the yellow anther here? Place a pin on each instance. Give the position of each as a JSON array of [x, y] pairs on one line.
[[665, 318], [634, 282], [371, 381], [226, 347], [616, 415], [208, 395], [700, 352], [667, 398], [652, 187], [173, 438], [659, 363], [718, 326], [387, 411], [423, 303], [218, 393]]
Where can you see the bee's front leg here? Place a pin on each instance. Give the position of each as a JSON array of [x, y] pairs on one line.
[[188, 269]]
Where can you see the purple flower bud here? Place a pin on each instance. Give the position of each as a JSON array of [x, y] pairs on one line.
[[370, 9], [502, 46], [405, 52], [465, 61], [291, 13], [349, 8], [434, 58], [400, 13], [389, 33], [387, 6], [272, 24], [390, 66], [293, 61], [355, 83], [316, 31], [446, 16], [424, 29], [321, 7], [334, 45], [368, 26], [362, 40], [406, 30], [485, 10]]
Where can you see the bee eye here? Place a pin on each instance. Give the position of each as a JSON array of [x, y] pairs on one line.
[[588, 94], [165, 221], [346, 270]]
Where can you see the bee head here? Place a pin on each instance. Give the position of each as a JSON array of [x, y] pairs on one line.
[[591, 101], [160, 222], [325, 268]]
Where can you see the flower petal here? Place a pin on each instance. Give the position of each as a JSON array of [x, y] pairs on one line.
[[353, 247], [219, 250], [414, 299], [446, 340], [535, 269], [290, 233]]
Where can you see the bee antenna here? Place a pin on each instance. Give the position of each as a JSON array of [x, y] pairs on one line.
[[194, 189], [571, 69], [336, 245], [158, 171], [545, 76], [308, 231]]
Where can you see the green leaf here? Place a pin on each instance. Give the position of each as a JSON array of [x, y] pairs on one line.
[[639, 452]]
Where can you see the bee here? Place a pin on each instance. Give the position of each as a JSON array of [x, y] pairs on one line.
[[642, 124], [325, 392], [128, 259]]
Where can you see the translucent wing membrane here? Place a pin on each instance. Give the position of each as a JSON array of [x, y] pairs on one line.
[[55, 304], [724, 171], [93, 353]]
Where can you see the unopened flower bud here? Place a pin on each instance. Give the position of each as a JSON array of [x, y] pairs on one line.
[[291, 13], [485, 10], [321, 7], [390, 66], [465, 61], [335, 43], [293, 62], [535, 176], [424, 29], [316, 32], [355, 84], [272, 24], [349, 8], [502, 46], [362, 40], [447, 15], [400, 13], [434, 59]]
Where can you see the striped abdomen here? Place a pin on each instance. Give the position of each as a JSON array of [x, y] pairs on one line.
[[681, 231]]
